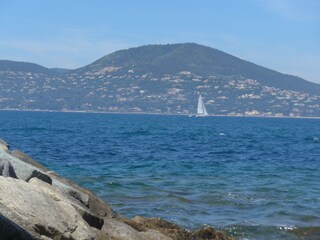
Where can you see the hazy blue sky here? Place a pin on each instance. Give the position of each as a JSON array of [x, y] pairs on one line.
[[283, 35]]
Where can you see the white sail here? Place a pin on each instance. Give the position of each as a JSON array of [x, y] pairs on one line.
[[200, 106], [201, 111], [205, 113]]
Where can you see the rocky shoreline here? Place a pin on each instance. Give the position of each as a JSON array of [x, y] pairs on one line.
[[38, 204]]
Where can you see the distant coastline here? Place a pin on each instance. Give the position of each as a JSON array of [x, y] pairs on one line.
[[164, 114]]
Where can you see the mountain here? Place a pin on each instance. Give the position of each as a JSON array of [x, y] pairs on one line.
[[200, 60], [13, 66], [160, 79]]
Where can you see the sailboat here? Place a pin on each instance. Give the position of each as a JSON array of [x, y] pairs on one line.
[[201, 111]]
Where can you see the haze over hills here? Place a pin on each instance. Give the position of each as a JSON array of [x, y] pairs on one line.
[[160, 79]]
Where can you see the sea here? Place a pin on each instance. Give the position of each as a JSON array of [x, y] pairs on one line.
[[255, 178]]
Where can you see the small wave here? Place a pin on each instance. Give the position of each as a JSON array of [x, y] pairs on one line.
[[112, 183], [304, 232], [179, 198], [287, 227], [312, 139], [222, 151], [272, 232], [136, 133], [36, 129]]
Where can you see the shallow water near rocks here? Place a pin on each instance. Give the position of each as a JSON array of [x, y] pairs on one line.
[[256, 178]]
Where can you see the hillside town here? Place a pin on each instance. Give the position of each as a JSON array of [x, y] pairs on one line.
[[117, 89]]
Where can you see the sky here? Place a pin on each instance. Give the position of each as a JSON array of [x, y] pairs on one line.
[[283, 35]]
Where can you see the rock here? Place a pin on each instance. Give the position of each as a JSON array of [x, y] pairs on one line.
[[10, 231], [154, 235], [24, 170], [37, 174], [118, 230], [177, 233], [27, 159], [89, 199], [114, 229], [134, 224], [93, 220], [29, 169], [208, 233], [59, 195], [6, 169], [3, 145], [45, 238], [42, 211], [165, 227], [67, 188]]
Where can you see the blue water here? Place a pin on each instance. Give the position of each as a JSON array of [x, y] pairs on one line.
[[256, 178]]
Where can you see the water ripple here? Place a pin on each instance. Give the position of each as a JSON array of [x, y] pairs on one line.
[[256, 178]]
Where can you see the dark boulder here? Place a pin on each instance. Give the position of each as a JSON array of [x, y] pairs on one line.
[[12, 231], [41, 176]]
